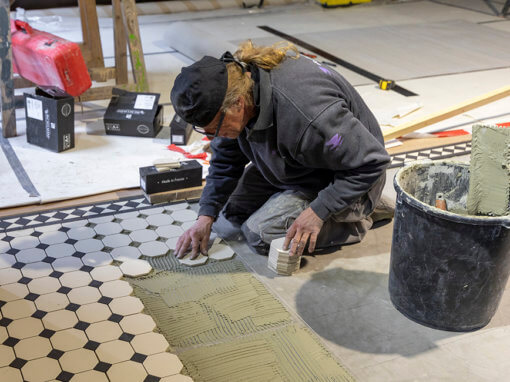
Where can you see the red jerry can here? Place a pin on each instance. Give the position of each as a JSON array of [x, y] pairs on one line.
[[48, 60]]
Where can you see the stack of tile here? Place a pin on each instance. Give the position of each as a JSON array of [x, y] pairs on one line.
[[280, 261]]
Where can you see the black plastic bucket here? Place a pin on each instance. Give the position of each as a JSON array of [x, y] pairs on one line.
[[448, 269]]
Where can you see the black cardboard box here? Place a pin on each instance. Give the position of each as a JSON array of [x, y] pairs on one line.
[[188, 175], [50, 119], [180, 131], [133, 114]]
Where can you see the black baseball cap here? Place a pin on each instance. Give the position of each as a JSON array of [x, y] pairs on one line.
[[199, 91]]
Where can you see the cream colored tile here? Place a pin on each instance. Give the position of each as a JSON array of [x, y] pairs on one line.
[[169, 231], [25, 327], [6, 260], [89, 245], [3, 334], [152, 211], [184, 215], [44, 285], [177, 207], [102, 219], [69, 339], [108, 228], [187, 225], [18, 309], [25, 242], [126, 305], [81, 233], [55, 237], [42, 369], [162, 364], [138, 324], [60, 250], [67, 264], [52, 301], [114, 351], [6, 356], [135, 268], [177, 378], [159, 220], [117, 240], [94, 312], [14, 291], [220, 252], [84, 295], [150, 343], [90, 376], [153, 249], [49, 228], [199, 260], [134, 224], [75, 279], [117, 288], [143, 235], [75, 224], [127, 215], [10, 374], [31, 255], [9, 275], [97, 259], [79, 360], [125, 253], [106, 273], [104, 331], [172, 242], [35, 270], [21, 232], [60, 320], [128, 371], [32, 348]]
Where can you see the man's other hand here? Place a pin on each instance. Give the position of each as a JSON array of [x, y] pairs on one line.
[[197, 237], [305, 229]]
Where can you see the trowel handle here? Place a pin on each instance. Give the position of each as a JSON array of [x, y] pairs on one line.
[[23, 26]]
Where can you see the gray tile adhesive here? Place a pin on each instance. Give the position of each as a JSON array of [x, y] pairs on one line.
[[489, 182], [225, 326]]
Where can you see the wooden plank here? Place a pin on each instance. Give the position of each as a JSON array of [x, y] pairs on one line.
[[427, 120], [20, 83], [102, 74], [102, 92], [6, 78], [175, 195], [91, 36], [119, 38], [135, 45]]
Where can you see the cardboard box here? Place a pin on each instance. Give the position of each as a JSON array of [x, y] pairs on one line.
[[49, 116], [133, 114], [188, 175], [180, 131]]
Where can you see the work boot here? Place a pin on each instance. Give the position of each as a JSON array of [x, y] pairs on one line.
[[384, 210]]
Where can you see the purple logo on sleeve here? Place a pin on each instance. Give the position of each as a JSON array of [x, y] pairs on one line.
[[335, 142]]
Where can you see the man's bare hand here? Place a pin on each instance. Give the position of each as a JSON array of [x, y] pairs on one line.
[[197, 237], [305, 229]]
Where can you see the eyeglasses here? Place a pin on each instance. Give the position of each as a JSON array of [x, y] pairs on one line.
[[201, 130]]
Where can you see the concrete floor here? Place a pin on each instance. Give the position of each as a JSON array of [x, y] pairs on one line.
[[343, 296]]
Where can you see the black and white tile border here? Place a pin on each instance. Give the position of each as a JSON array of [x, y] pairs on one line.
[[440, 152]]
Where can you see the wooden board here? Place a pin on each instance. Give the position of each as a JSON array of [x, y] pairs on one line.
[[119, 38], [6, 78], [91, 36], [175, 195]]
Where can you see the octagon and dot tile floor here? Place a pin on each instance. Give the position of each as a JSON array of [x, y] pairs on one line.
[[65, 312]]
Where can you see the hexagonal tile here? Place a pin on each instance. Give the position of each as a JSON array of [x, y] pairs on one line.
[[108, 228], [153, 249], [200, 260], [94, 312], [9, 275], [31, 255], [220, 252], [81, 233], [25, 327], [4, 246], [90, 376], [143, 235], [106, 273], [55, 237], [32, 348], [138, 324], [126, 305], [117, 240], [67, 264], [184, 215], [125, 253], [150, 343], [169, 231], [24, 242], [114, 351], [102, 219], [176, 378], [153, 211], [42, 369], [97, 259], [60, 320], [18, 309], [187, 225], [44, 285], [79, 360], [75, 224], [135, 268], [6, 355], [134, 224], [128, 371], [21, 232], [69, 339], [14, 291], [84, 295], [49, 228], [6, 260], [172, 242], [51, 301], [104, 331], [89, 245], [35, 270], [159, 219], [162, 364], [10, 374], [3, 334], [75, 279], [60, 250], [116, 288]]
